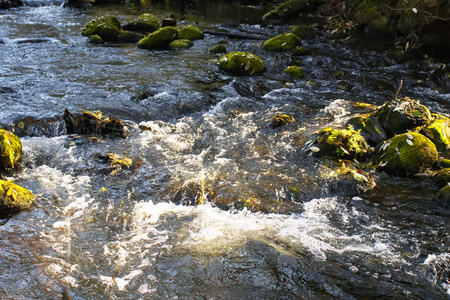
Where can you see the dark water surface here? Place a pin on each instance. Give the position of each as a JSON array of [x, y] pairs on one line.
[[107, 236]]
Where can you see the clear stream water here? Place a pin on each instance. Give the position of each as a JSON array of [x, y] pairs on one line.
[[121, 236]]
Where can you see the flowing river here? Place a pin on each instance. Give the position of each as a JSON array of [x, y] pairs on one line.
[[121, 234]]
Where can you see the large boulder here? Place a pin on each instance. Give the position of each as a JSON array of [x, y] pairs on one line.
[[402, 115], [14, 197], [284, 42], [439, 132], [341, 143], [10, 149], [242, 63], [159, 39], [406, 154], [108, 28], [190, 32]]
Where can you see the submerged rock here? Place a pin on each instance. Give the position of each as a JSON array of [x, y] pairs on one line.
[[107, 28], [94, 122], [340, 143], [284, 42], [169, 21], [406, 154], [294, 72], [190, 32], [303, 31], [159, 39], [369, 127], [10, 150], [439, 133], [180, 44], [242, 63], [116, 162], [402, 115], [14, 197], [95, 39]]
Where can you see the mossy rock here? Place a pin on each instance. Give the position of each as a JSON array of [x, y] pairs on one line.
[[94, 122], [438, 132], [286, 10], [294, 72], [369, 127], [10, 150], [444, 163], [14, 197], [280, 120], [406, 154], [129, 37], [220, 48], [303, 31], [180, 44], [284, 42], [159, 39], [242, 63], [443, 195], [402, 115], [340, 143], [442, 177], [300, 51], [95, 39], [107, 28], [146, 23], [190, 32]]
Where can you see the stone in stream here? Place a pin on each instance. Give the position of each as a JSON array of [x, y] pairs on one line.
[[402, 115], [190, 32], [283, 42], [145, 23], [107, 28], [438, 131], [94, 122], [442, 177], [242, 63], [129, 37], [169, 21], [14, 197], [406, 154], [220, 48], [369, 127], [159, 39], [10, 150], [180, 44], [286, 10], [295, 72], [443, 195]]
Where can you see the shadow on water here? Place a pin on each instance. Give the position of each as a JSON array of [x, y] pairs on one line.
[[270, 225]]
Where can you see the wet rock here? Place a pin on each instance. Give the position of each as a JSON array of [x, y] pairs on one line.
[[340, 143], [284, 42], [129, 37], [406, 154], [193, 192], [159, 39], [443, 195], [402, 115], [369, 128], [230, 23], [169, 21], [303, 31], [220, 48], [95, 39], [33, 41], [242, 63], [439, 133], [280, 120], [145, 23], [294, 72], [286, 10], [94, 122], [5, 4], [345, 180], [190, 32], [300, 51], [444, 163], [107, 28], [117, 162], [442, 177], [10, 150], [14, 197], [31, 126], [180, 44]]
